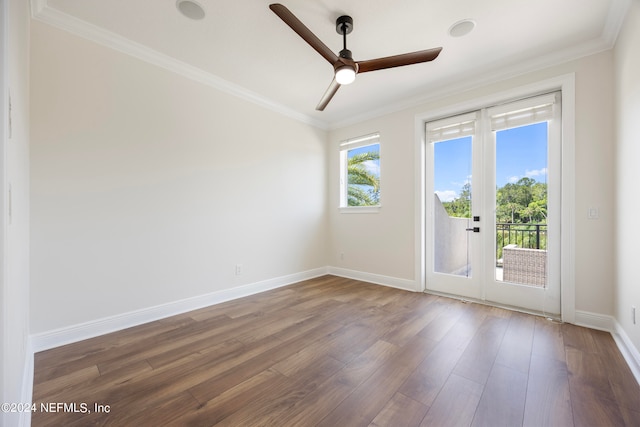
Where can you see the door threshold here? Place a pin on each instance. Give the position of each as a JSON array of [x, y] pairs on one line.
[[555, 318]]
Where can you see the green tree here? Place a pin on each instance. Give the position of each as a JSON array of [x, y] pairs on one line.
[[524, 201], [363, 187], [460, 207], [536, 212], [539, 191], [507, 212]]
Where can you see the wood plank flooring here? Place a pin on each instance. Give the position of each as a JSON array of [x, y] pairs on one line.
[[339, 352]]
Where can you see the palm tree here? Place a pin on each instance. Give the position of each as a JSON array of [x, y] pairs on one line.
[[363, 187], [512, 208], [536, 212]]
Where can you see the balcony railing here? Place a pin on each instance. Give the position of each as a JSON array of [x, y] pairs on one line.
[[530, 236]]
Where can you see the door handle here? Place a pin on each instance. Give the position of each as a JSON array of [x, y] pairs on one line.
[[474, 229]]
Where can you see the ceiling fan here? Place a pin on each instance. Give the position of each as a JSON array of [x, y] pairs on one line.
[[344, 66]]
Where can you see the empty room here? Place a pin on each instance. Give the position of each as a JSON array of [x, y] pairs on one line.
[[331, 213]]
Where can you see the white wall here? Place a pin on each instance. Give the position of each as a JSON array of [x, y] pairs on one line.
[[379, 243], [384, 243], [627, 70], [148, 188], [17, 362]]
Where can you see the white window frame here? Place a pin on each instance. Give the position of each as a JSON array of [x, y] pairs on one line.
[[346, 146]]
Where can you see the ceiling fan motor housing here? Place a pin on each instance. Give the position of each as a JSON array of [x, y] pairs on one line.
[[346, 54], [344, 22]]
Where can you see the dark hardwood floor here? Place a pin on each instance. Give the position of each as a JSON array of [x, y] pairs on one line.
[[338, 352]]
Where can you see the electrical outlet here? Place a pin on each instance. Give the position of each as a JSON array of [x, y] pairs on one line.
[[238, 269]]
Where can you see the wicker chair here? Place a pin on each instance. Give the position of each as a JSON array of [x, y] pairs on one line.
[[525, 266]]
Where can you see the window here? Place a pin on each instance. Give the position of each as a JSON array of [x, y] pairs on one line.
[[360, 172]]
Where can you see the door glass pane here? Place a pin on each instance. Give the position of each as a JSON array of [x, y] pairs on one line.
[[452, 206], [521, 205]]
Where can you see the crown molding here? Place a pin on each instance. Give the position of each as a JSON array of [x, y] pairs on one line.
[[461, 83], [615, 20], [473, 79], [42, 12]]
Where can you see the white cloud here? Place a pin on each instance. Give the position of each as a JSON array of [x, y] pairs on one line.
[[529, 174], [372, 167], [534, 173], [462, 184], [447, 195]]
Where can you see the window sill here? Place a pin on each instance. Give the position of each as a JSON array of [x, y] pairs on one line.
[[359, 209]]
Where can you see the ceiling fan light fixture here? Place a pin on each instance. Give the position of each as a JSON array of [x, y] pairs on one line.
[[345, 74]]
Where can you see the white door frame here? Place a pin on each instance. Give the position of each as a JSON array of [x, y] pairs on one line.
[[564, 83]]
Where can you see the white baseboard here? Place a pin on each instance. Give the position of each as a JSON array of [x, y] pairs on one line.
[[622, 340], [94, 328], [598, 321], [393, 282], [628, 350]]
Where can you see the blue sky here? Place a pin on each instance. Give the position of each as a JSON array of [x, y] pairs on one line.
[[520, 152]]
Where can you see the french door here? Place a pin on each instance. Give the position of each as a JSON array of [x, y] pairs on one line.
[[493, 204]]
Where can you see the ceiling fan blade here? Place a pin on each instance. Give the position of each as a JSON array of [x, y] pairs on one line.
[[306, 34], [331, 90], [398, 60]]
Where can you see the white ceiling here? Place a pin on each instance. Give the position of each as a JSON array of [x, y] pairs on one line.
[[244, 48]]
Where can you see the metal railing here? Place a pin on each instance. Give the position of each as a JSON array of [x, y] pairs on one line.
[[531, 236]]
